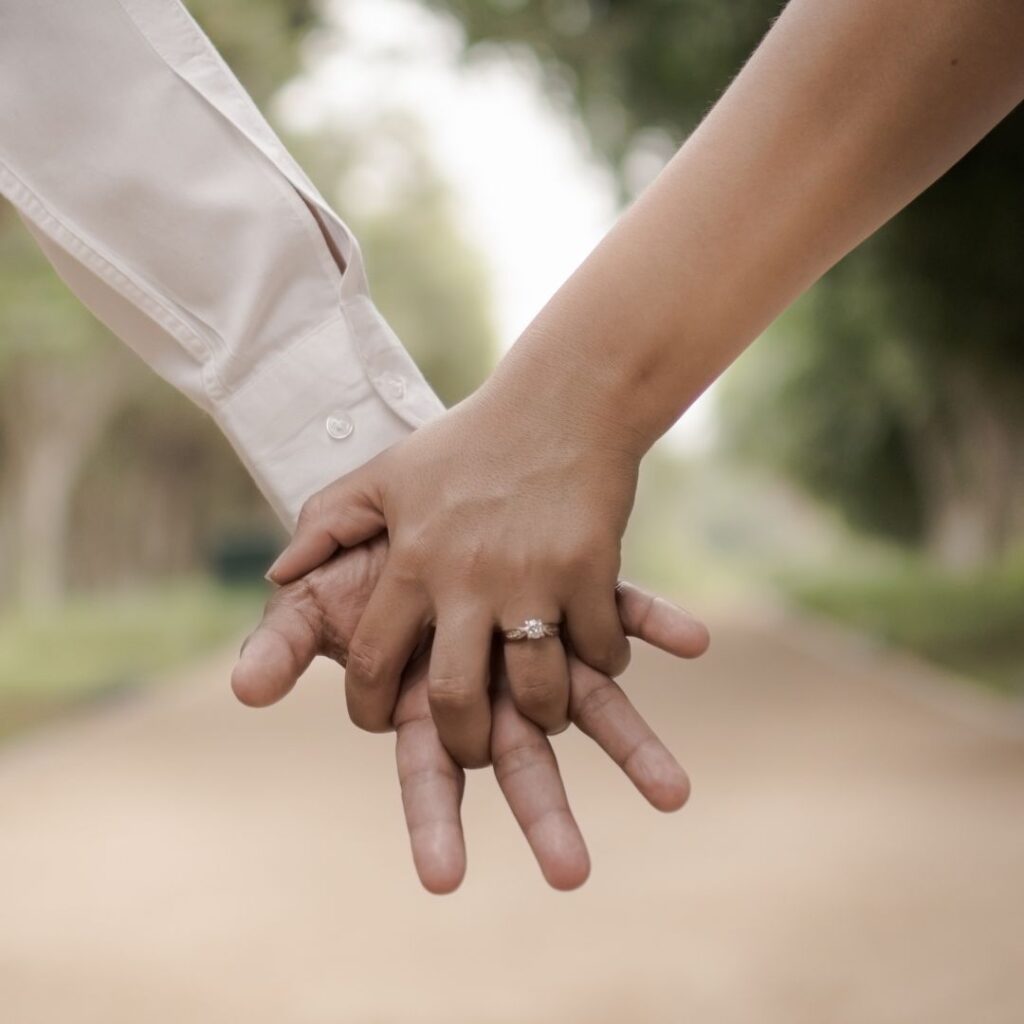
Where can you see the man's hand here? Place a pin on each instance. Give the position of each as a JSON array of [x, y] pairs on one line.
[[527, 525], [318, 614]]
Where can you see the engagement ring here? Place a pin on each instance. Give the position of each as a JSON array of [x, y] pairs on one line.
[[532, 629]]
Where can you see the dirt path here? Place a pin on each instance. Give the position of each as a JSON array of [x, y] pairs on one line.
[[854, 852]]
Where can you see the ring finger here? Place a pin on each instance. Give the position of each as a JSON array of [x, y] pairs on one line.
[[538, 674]]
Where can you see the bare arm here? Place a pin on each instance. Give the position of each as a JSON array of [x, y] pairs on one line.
[[513, 505], [846, 112]]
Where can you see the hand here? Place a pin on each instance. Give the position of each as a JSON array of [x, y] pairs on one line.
[[495, 515], [317, 615]]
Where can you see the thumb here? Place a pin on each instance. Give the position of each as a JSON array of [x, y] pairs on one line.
[[275, 654], [344, 514]]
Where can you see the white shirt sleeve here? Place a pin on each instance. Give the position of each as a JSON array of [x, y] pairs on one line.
[[169, 206]]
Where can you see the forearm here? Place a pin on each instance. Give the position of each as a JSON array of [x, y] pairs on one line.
[[846, 112], [170, 207]]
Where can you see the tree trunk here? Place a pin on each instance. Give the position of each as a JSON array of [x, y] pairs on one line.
[[966, 456], [53, 414]]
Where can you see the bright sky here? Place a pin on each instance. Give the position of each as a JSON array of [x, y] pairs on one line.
[[529, 196]]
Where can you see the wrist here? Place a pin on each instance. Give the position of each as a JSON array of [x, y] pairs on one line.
[[548, 382]]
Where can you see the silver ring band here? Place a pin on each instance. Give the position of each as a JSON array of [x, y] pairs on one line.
[[532, 629]]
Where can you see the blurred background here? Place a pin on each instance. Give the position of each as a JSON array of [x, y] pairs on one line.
[[858, 475]]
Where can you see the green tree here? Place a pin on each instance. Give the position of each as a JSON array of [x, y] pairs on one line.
[[104, 471], [59, 383], [898, 385], [425, 276], [899, 376], [62, 380]]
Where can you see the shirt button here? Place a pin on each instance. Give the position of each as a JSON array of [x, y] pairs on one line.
[[392, 384], [340, 426]]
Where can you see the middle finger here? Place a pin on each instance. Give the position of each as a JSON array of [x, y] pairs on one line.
[[459, 679]]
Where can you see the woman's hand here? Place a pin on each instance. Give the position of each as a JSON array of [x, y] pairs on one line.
[[503, 510]]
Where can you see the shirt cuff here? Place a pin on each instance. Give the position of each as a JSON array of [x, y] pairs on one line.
[[304, 418]]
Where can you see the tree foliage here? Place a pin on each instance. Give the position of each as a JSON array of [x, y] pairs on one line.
[[629, 65], [897, 387], [106, 473], [900, 376], [424, 275]]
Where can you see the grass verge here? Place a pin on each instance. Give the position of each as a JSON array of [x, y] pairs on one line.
[[97, 643], [973, 624]]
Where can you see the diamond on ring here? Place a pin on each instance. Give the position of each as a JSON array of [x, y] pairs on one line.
[[532, 629]]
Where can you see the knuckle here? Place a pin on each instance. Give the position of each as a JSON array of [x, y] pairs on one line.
[[475, 556], [406, 565], [621, 659], [369, 719], [609, 655], [520, 563], [366, 663], [409, 554], [596, 704], [522, 756], [594, 557], [451, 693], [311, 510], [535, 691], [480, 757], [294, 614], [300, 597], [580, 558]]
